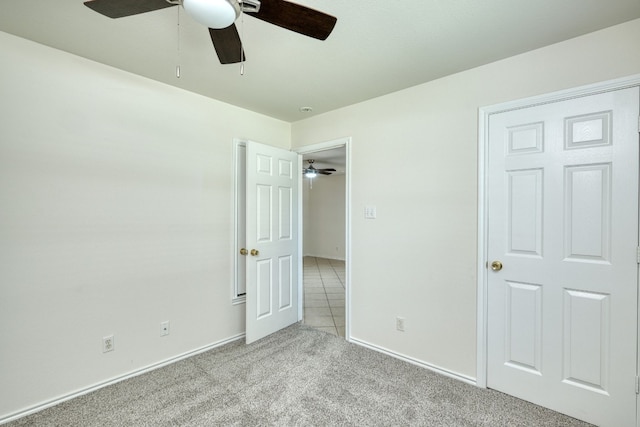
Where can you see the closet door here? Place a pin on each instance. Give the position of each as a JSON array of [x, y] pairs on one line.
[[562, 247]]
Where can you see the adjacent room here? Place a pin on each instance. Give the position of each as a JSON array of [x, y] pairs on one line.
[[120, 211], [324, 237]]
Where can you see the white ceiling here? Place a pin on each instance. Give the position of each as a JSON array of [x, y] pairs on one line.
[[377, 47]]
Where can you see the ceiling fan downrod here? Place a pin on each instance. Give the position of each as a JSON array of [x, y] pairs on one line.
[[251, 6]]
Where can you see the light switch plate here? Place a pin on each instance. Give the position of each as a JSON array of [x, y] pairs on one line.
[[370, 212]]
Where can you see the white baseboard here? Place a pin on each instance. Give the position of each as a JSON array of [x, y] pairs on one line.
[[447, 373], [64, 398]]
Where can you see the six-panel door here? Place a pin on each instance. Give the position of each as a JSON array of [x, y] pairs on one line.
[[272, 227], [563, 220]]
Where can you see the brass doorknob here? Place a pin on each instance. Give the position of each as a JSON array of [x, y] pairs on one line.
[[255, 252], [496, 266], [243, 251]]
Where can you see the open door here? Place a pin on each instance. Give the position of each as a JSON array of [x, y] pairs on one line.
[[272, 239]]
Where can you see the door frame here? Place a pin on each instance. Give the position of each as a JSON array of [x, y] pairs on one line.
[[484, 114], [238, 215], [322, 146]]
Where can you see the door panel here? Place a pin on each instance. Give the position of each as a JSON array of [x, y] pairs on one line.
[[525, 212], [524, 327], [563, 220], [272, 224], [586, 344], [264, 296], [285, 263], [587, 227]]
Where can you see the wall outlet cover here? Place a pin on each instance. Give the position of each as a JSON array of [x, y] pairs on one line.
[[108, 344], [164, 328]]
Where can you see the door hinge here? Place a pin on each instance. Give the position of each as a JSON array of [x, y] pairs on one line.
[[638, 254], [637, 385]]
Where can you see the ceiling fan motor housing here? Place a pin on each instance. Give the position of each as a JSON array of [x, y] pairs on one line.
[[215, 14]]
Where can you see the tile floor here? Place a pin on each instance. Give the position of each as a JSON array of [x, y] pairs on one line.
[[324, 293]]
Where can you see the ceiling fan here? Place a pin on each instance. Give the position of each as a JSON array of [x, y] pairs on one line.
[[220, 15], [312, 172]]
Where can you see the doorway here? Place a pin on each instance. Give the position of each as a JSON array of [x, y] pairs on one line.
[[325, 242], [559, 236]]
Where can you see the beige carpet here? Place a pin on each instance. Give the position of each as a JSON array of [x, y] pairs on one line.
[[297, 377]]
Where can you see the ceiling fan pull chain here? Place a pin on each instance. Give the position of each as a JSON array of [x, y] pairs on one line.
[[241, 38], [179, 51]]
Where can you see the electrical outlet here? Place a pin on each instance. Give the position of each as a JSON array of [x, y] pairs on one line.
[[108, 344], [400, 323], [164, 328]]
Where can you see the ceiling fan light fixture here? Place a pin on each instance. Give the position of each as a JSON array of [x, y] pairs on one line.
[[216, 14], [310, 173]]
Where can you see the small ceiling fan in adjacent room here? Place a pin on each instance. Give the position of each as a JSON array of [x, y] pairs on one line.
[[312, 172], [220, 16]]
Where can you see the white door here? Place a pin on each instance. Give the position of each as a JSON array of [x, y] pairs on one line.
[[272, 240], [563, 221]]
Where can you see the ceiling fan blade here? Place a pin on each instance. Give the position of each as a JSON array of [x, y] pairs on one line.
[[227, 43], [122, 8], [295, 17], [327, 169], [323, 172]]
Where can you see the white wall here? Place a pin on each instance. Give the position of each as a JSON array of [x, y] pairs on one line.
[[115, 214], [418, 258], [115, 209], [324, 217]]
